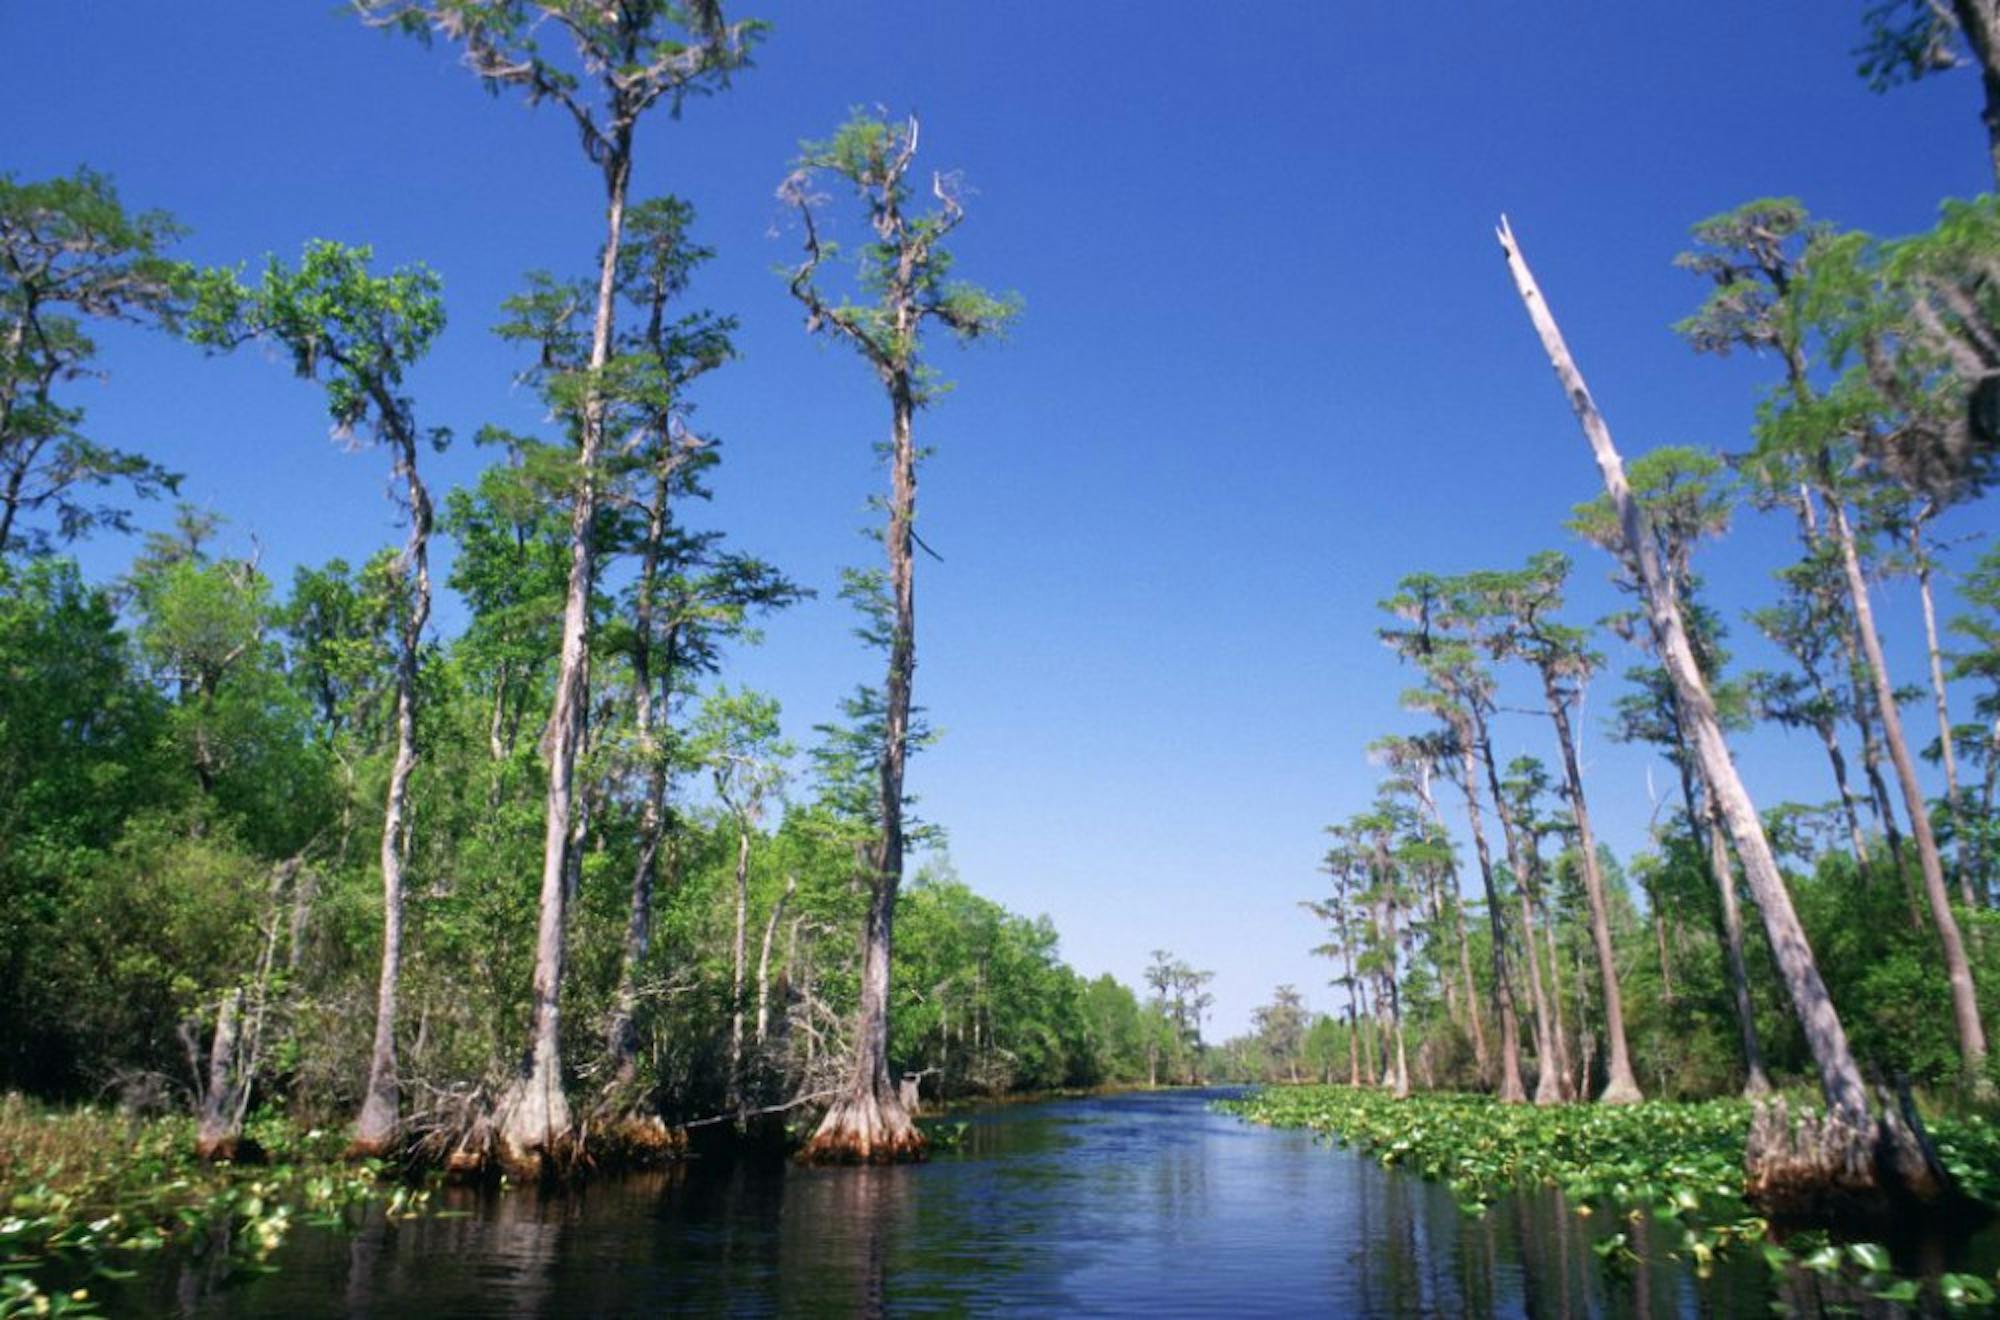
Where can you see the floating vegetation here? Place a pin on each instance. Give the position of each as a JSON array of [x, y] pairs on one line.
[[85, 1193], [1679, 1163]]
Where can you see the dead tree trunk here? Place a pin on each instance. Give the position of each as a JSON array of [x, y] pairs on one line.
[[1864, 1140]]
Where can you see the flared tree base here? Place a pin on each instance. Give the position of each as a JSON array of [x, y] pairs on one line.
[[866, 1128], [1822, 1169], [635, 1141], [1621, 1092], [534, 1135]]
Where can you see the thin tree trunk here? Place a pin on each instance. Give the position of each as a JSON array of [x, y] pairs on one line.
[[764, 958], [1548, 1078], [534, 1112], [1474, 1014], [1871, 748], [1621, 1085], [1755, 1080], [1829, 738], [375, 1131], [869, 1122], [738, 958], [1945, 748], [1511, 1089], [621, 1034], [1547, 918], [1958, 968], [1840, 1078]]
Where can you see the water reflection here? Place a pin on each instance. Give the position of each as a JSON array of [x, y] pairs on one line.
[[1126, 1205]]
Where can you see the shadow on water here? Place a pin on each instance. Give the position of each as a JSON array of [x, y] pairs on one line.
[[1137, 1204]]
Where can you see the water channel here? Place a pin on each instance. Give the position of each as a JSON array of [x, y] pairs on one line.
[[1142, 1204]]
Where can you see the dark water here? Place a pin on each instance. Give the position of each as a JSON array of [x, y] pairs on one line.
[[1125, 1205]]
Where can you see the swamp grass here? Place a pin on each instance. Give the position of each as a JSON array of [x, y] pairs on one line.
[[1679, 1162], [87, 1193]]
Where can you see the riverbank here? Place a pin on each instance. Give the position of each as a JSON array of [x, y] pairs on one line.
[[1674, 1162], [87, 1193]]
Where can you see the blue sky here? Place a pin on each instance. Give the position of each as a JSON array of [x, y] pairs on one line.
[[1270, 361]]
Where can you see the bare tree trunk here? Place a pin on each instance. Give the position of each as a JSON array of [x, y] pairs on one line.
[[221, 1127], [1755, 1081], [1829, 738], [1474, 1012], [533, 1112], [868, 1122], [375, 1131], [1400, 1083], [1840, 1078], [1945, 747], [1511, 1088], [1621, 1085], [1547, 918], [764, 958], [1958, 968], [1548, 1076], [1871, 749]]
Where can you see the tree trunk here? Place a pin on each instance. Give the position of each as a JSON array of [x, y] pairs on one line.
[[1979, 20], [1548, 1077], [739, 956], [1958, 969], [1547, 918], [1511, 1088], [220, 1131], [1400, 1083], [375, 1131], [1474, 1013], [764, 958], [1945, 748], [1871, 748], [1621, 1085], [1755, 1081], [868, 1122], [534, 1114], [1840, 1078], [1829, 737], [621, 1037]]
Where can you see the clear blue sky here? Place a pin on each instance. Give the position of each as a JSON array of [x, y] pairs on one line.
[[1270, 362]]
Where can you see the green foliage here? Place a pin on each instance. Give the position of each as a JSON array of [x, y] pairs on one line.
[[70, 254]]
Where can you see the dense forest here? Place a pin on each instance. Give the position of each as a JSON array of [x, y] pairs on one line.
[[287, 845]]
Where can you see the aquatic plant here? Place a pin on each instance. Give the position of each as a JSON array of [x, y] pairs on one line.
[[84, 1193], [1681, 1163]]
